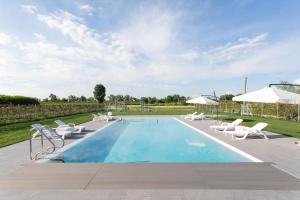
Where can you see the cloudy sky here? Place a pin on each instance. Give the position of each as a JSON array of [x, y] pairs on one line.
[[147, 48]]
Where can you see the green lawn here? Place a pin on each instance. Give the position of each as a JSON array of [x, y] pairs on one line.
[[285, 127], [17, 132]]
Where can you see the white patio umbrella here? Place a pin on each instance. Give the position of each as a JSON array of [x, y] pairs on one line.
[[270, 95], [204, 101]]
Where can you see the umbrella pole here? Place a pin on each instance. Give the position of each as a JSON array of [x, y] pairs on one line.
[[262, 109], [217, 112], [277, 111], [298, 112]]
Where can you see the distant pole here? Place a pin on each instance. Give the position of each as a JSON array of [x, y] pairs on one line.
[[277, 111], [245, 86], [298, 112], [245, 91]]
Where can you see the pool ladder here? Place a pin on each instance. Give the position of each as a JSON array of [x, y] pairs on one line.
[[43, 136]]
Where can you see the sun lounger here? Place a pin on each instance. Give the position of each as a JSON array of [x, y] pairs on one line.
[[242, 132], [201, 116], [101, 117], [226, 125], [107, 117], [96, 117], [71, 126], [187, 116], [50, 132]]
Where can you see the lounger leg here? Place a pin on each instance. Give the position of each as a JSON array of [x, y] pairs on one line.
[[244, 137], [264, 135]]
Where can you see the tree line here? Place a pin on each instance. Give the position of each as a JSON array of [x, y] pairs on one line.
[[99, 95], [176, 98]]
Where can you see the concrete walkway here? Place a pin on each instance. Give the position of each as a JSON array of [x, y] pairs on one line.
[[279, 149]]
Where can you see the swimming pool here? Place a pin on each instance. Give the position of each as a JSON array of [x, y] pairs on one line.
[[151, 140]]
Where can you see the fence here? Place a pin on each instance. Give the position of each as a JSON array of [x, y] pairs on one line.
[[285, 111], [21, 113]]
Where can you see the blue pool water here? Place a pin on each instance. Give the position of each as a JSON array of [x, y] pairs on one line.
[[149, 140]]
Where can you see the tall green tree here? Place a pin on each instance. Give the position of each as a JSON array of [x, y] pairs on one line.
[[53, 97], [227, 97], [99, 93]]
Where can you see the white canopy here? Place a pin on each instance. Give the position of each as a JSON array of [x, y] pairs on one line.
[[202, 100], [269, 95]]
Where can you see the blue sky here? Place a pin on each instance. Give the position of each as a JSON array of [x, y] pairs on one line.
[[147, 48]]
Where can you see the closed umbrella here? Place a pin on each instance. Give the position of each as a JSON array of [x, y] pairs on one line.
[[270, 95]]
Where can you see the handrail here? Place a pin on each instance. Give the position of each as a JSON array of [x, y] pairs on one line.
[[43, 135]]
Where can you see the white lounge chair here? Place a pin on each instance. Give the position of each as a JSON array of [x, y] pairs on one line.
[[110, 116], [227, 125], [96, 117], [243, 132], [188, 115], [50, 132], [71, 126], [201, 116], [194, 116], [101, 117], [107, 117]]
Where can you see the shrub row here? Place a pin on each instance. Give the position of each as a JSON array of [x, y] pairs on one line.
[[18, 100], [21, 113]]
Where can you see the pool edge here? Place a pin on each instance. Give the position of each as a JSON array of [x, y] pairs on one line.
[[252, 158], [75, 143]]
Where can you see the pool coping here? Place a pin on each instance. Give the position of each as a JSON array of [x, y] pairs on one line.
[[250, 157]]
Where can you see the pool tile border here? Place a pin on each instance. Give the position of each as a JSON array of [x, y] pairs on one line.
[[59, 151], [250, 157]]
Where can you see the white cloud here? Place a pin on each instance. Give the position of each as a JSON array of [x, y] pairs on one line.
[[278, 57], [39, 36], [297, 81], [190, 55], [150, 32], [86, 8], [230, 50], [29, 8], [6, 39], [105, 46], [138, 58]]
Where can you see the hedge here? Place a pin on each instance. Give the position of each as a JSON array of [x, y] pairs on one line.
[[18, 100]]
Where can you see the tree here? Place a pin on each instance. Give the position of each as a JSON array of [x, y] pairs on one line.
[[91, 99], [99, 93], [82, 99], [227, 97], [53, 97], [72, 98]]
